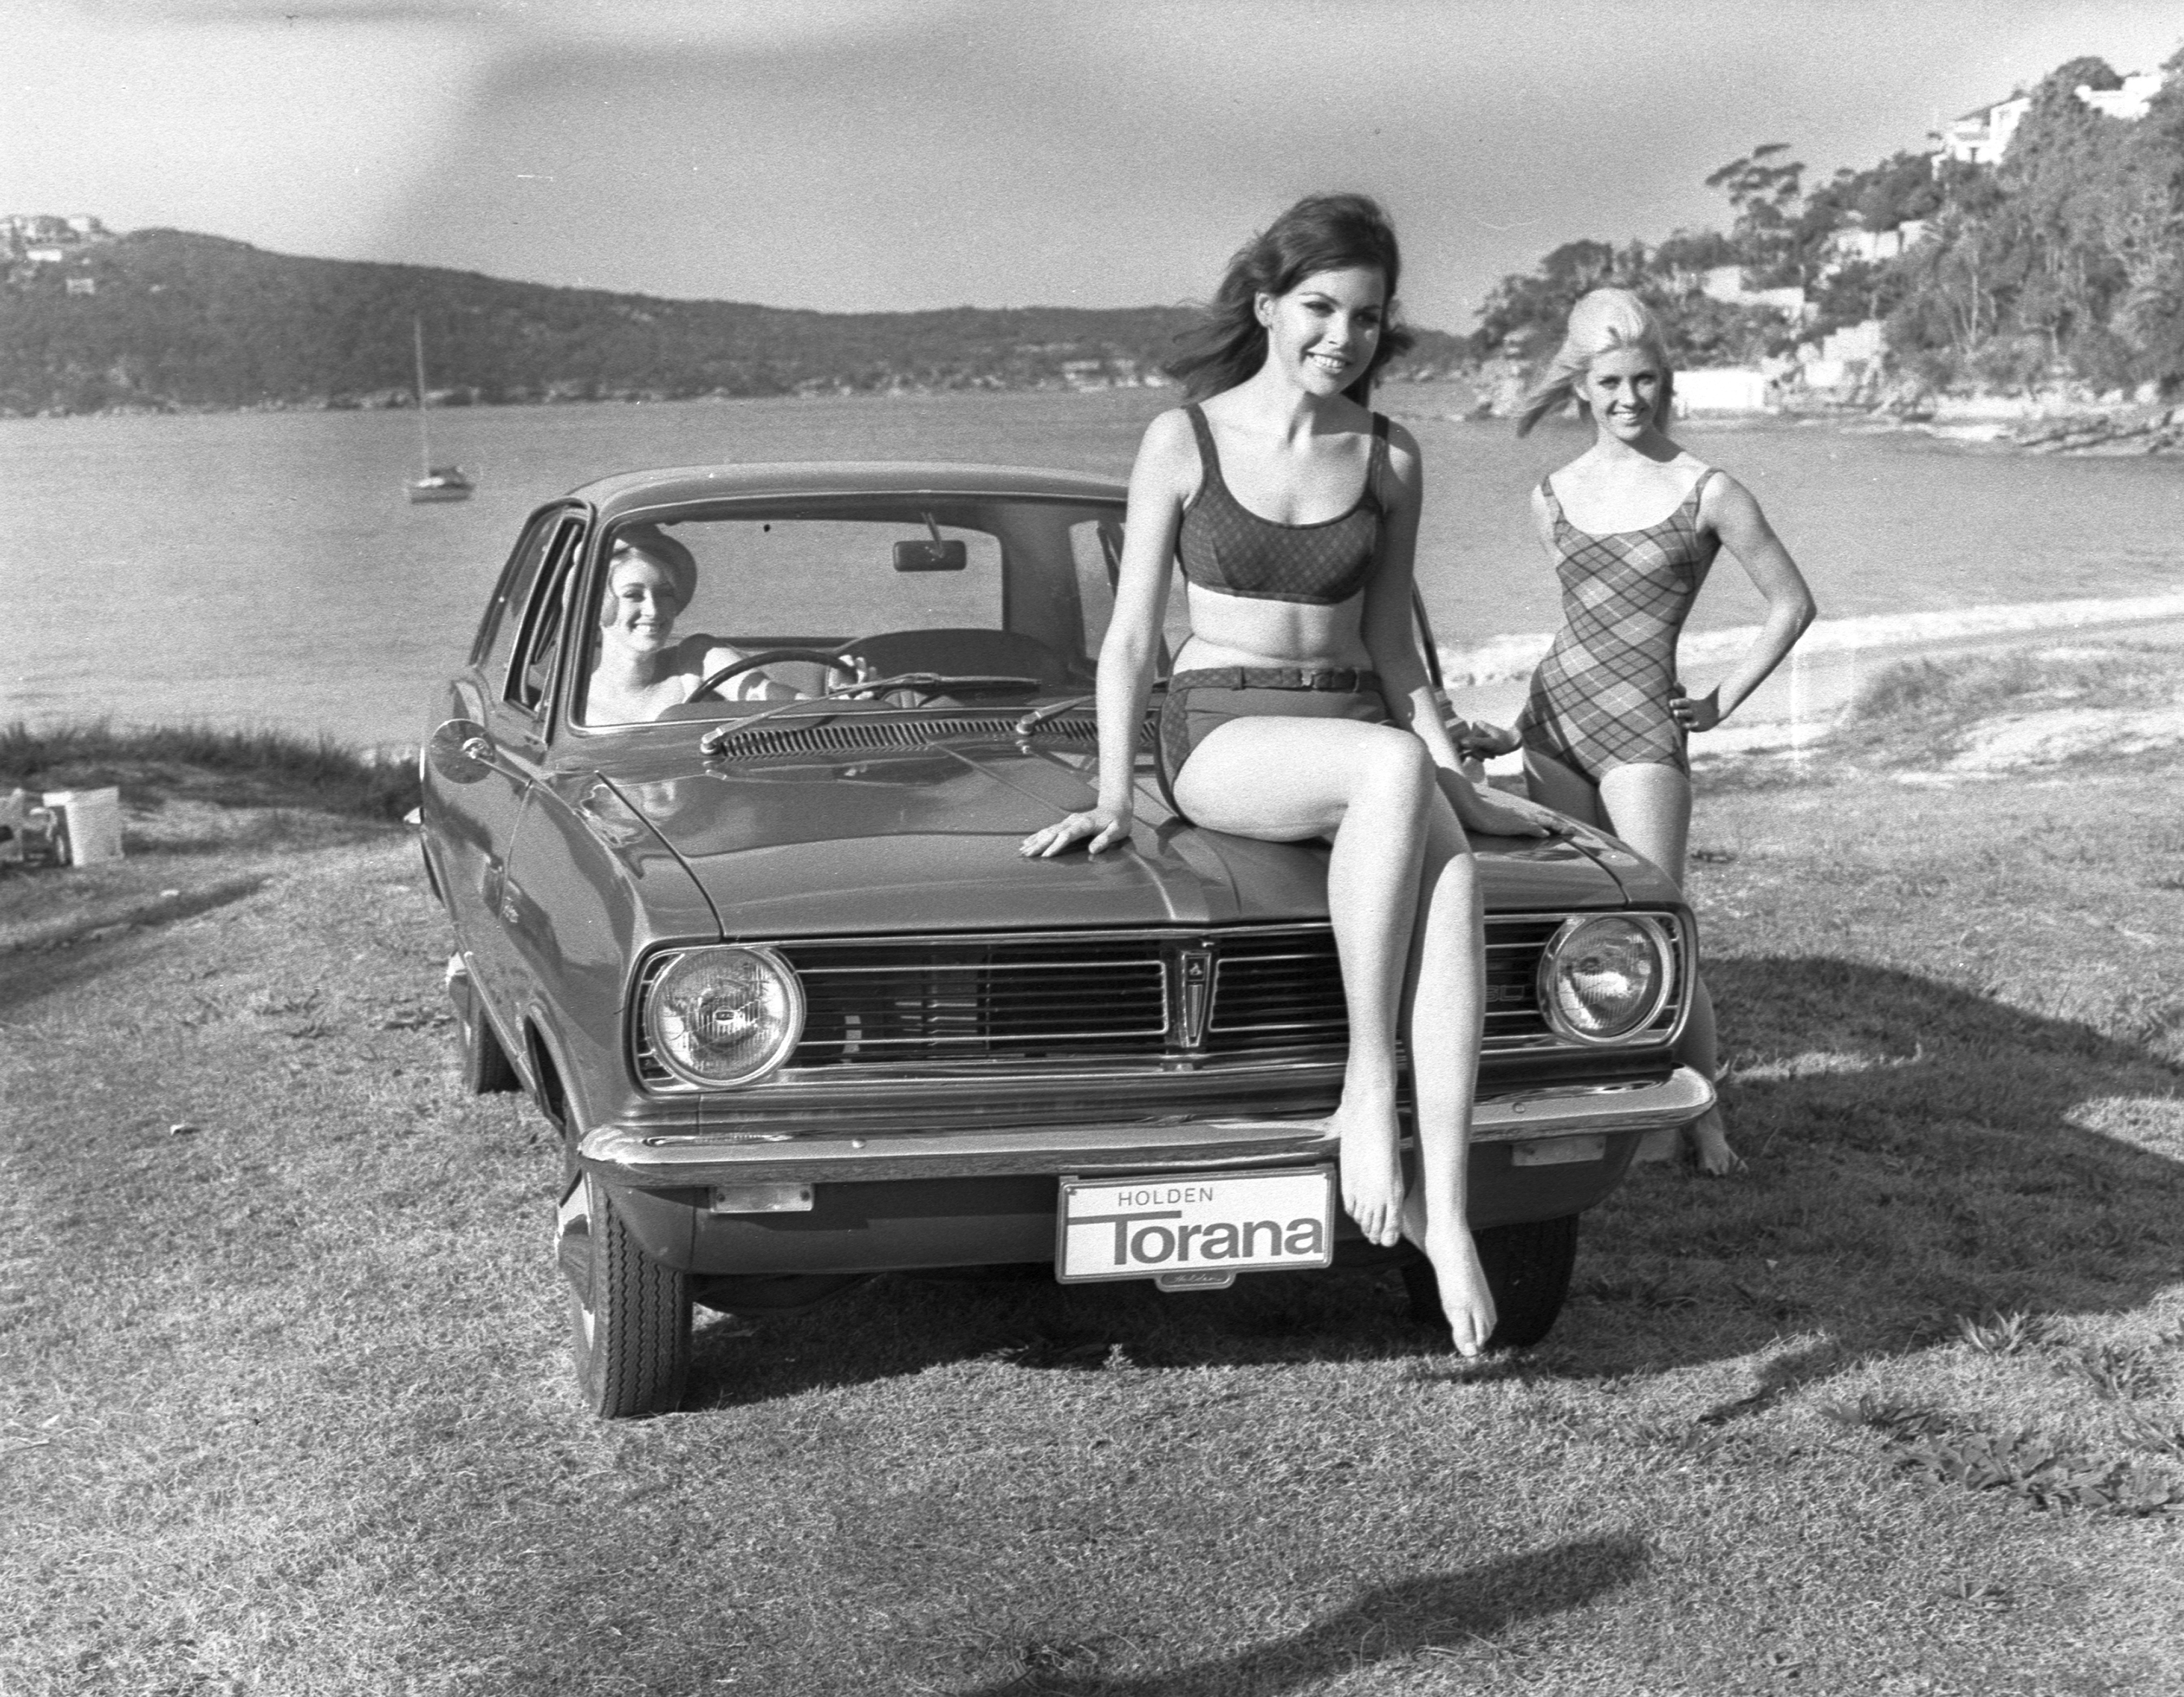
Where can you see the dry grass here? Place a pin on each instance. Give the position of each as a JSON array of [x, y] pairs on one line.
[[257, 769], [286, 1405]]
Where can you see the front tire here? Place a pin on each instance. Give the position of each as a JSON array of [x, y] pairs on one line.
[[629, 1316], [1528, 1267]]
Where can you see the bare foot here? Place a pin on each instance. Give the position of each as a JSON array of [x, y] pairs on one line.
[[1466, 1302], [1372, 1171], [1710, 1150]]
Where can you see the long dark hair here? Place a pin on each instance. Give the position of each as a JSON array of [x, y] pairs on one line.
[[1322, 232]]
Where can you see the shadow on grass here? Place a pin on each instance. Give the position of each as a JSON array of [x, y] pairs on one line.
[[49, 958], [1918, 1152], [1453, 1611]]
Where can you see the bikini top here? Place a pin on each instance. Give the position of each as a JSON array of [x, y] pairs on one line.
[[1224, 545]]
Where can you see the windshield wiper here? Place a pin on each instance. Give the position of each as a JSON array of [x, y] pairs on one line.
[[1031, 722], [721, 735]]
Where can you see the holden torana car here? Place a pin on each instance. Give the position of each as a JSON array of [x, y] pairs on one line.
[[760, 944]]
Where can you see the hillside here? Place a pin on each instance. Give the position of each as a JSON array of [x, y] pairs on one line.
[[173, 320]]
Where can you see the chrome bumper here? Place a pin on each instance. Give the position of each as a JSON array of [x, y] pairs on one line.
[[653, 1159]]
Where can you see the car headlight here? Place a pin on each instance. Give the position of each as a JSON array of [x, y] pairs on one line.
[[1604, 976], [718, 1017]]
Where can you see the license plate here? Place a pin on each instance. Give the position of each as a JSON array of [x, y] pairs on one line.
[[1194, 1228]]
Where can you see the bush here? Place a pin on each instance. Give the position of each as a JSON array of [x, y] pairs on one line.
[[263, 766]]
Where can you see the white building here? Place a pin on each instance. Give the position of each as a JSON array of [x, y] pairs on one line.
[[1982, 136], [1857, 242], [1730, 389], [2127, 103]]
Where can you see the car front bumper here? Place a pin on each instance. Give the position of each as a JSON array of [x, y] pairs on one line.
[[647, 1158]]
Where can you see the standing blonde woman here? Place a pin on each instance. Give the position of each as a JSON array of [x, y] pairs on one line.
[[1632, 525], [1300, 708]]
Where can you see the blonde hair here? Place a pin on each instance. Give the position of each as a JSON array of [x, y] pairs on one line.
[[1603, 321], [649, 541]]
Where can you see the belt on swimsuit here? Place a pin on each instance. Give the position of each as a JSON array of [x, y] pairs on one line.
[[1340, 681]]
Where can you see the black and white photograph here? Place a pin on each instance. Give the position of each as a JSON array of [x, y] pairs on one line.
[[1091, 849]]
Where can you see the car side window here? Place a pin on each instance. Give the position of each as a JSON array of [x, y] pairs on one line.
[[504, 619], [530, 677]]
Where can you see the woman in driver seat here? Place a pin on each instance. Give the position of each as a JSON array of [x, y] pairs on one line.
[[644, 668]]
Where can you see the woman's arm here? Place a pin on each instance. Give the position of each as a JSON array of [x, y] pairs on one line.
[[1728, 506], [703, 656], [1390, 636], [1491, 741], [1160, 482]]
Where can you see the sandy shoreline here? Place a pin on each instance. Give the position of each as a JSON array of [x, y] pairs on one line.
[[1798, 707]]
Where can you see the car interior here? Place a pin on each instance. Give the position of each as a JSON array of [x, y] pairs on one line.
[[993, 590]]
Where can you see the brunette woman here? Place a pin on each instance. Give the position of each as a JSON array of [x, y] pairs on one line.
[[1632, 525], [1301, 706]]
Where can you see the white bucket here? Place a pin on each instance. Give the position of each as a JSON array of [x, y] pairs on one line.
[[91, 823]]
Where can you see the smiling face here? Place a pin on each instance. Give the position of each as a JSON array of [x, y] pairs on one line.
[[641, 605], [1320, 335], [1623, 388]]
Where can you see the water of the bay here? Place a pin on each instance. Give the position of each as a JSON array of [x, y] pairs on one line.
[[264, 568]]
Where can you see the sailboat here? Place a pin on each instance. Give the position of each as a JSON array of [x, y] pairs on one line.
[[436, 483]]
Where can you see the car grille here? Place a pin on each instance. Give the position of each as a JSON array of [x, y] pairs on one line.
[[1097, 997], [1031, 999]]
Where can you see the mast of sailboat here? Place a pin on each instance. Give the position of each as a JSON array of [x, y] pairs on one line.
[[424, 436]]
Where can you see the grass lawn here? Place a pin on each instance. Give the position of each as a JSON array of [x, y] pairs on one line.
[[285, 1402]]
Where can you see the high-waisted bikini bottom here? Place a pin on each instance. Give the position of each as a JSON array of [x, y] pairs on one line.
[[1198, 702]]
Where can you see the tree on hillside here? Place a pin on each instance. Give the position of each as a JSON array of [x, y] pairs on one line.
[[1525, 311], [1766, 193], [2148, 233], [1900, 187], [2066, 180]]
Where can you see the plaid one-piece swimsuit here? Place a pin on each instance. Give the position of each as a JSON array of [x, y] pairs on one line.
[[1600, 700]]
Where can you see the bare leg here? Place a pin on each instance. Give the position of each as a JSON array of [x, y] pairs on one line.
[[1444, 1021], [1369, 786], [1650, 808]]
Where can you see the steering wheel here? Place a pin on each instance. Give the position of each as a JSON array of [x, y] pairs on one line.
[[819, 657]]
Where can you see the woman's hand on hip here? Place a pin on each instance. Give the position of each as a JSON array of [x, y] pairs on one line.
[[1105, 826], [1695, 712]]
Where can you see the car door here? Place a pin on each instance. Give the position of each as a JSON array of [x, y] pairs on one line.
[[508, 693]]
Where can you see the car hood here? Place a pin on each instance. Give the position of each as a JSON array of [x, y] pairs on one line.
[[926, 839]]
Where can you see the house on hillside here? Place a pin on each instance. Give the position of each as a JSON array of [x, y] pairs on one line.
[[43, 239], [1854, 243], [1982, 135], [2128, 102]]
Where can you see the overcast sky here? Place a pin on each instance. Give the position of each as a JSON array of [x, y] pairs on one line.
[[846, 154]]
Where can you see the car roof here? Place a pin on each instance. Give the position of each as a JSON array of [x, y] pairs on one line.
[[673, 485]]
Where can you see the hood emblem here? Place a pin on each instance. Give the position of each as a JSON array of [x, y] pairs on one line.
[[1195, 1004]]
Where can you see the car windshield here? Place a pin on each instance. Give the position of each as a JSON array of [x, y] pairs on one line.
[[710, 613]]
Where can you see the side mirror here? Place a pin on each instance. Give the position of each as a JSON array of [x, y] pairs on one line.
[[933, 556], [460, 752]]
